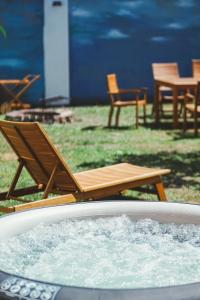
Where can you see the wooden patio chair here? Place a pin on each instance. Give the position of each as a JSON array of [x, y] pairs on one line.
[[51, 174], [20, 90], [138, 99], [196, 68], [165, 70], [192, 108]]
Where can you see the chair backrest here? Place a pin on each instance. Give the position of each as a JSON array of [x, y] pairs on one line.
[[112, 88], [112, 84], [161, 70], [196, 68], [33, 147]]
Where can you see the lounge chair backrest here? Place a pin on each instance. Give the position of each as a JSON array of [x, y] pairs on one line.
[[38, 154]]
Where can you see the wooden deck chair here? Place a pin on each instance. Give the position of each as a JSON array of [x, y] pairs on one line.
[[51, 174], [20, 90]]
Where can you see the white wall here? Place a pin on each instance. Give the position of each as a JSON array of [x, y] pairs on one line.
[[56, 49]]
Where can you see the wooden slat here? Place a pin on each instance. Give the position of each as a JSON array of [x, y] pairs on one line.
[[7, 209], [46, 202]]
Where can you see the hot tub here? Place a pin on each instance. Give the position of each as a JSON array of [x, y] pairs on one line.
[[23, 288]]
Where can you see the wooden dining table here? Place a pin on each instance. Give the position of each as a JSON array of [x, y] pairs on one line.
[[176, 84]]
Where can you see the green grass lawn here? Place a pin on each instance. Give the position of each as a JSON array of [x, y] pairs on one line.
[[87, 143]]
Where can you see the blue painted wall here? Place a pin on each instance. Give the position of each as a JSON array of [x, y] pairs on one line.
[[126, 36], [21, 52]]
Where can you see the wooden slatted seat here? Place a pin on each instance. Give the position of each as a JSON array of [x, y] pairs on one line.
[[52, 175]]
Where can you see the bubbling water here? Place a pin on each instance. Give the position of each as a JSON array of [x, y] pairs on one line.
[[113, 252]]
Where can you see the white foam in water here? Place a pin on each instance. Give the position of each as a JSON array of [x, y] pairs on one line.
[[106, 252]]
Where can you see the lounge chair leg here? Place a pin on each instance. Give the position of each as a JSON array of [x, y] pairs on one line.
[[110, 116], [15, 179], [117, 117], [160, 191], [50, 183]]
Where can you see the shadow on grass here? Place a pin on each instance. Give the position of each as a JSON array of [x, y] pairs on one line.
[[107, 128], [124, 197], [184, 136], [184, 166]]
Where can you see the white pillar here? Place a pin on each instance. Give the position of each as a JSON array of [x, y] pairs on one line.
[[56, 48]]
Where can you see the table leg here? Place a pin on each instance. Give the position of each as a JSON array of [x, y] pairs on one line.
[[175, 108], [156, 103]]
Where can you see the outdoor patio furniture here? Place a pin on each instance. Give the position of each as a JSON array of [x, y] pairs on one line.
[[176, 84], [196, 68], [192, 108], [16, 88], [51, 174], [164, 71], [138, 99]]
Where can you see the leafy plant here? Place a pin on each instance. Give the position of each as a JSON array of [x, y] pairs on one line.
[[2, 31]]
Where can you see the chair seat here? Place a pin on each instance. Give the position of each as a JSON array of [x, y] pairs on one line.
[[165, 89], [129, 103], [191, 107], [116, 174]]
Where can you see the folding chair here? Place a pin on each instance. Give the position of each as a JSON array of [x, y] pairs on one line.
[[52, 175], [16, 88], [28, 81]]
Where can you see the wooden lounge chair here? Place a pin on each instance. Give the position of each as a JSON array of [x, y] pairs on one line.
[[52, 175]]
